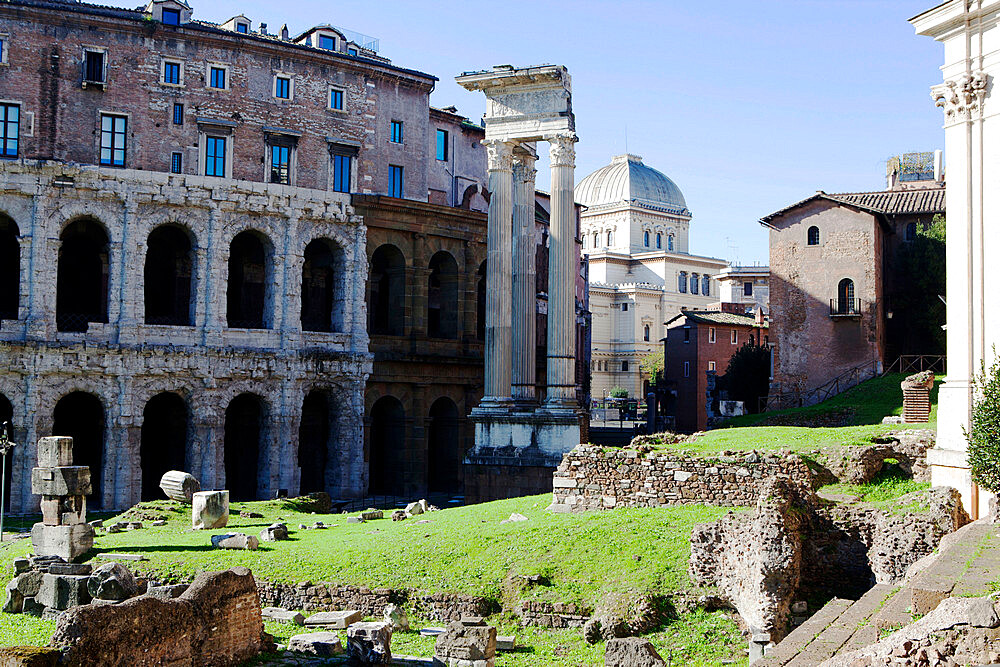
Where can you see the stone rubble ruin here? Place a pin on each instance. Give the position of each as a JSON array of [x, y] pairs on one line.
[[369, 643], [64, 488], [180, 486]]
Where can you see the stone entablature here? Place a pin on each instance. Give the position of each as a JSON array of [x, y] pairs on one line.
[[124, 363], [590, 478]]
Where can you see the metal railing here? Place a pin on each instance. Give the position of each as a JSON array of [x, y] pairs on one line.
[[917, 363], [845, 307], [847, 380]]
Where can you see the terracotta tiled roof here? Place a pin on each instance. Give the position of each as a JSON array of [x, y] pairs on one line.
[[717, 317], [893, 202], [886, 202]]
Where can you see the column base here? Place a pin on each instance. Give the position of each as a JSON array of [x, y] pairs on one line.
[[493, 405]]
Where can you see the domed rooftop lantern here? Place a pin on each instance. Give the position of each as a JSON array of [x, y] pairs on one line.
[[628, 181]]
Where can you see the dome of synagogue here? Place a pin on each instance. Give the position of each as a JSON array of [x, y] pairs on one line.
[[628, 180]]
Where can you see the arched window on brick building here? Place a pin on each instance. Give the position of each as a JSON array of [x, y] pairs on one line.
[[387, 286], [247, 291], [442, 296], [82, 276], [845, 297], [322, 292], [813, 236], [167, 277]]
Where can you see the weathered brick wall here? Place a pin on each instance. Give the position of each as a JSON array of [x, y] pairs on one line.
[[44, 74], [125, 362], [217, 621], [590, 478]]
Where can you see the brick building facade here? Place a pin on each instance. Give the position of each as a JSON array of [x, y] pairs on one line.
[[831, 273], [699, 343]]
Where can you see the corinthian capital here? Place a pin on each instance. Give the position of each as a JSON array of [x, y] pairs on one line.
[[961, 98], [524, 168], [562, 153], [499, 154]]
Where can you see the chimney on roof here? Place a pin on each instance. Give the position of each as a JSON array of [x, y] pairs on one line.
[[284, 32], [451, 109], [263, 28]]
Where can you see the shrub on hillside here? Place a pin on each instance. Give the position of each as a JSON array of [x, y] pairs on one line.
[[984, 429]]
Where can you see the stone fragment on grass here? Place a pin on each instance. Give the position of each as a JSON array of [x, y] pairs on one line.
[[210, 510], [506, 642], [235, 541], [62, 591], [180, 486], [246, 514], [112, 581], [414, 508], [159, 522], [274, 533], [283, 615], [470, 643], [399, 515], [369, 643], [321, 644], [167, 591], [14, 600], [396, 616], [29, 656], [355, 519], [371, 514], [631, 652], [338, 620], [21, 565]]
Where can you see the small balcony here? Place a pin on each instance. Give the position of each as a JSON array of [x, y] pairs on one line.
[[845, 307]]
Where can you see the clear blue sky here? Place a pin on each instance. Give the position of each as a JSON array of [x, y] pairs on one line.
[[747, 106]]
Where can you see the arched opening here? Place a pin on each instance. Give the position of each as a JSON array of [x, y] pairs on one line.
[[387, 460], [845, 297], [82, 276], [387, 285], [442, 296], [670, 242], [610, 238], [481, 302], [813, 236], [10, 269], [444, 448], [645, 332], [659, 241], [247, 294], [167, 285], [163, 441], [7, 415], [322, 304], [314, 438], [645, 239], [80, 416], [244, 431]]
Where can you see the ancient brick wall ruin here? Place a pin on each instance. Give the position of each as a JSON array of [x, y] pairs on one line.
[[591, 478], [122, 364]]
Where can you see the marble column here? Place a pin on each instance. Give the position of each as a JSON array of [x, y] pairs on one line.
[[524, 308], [563, 266], [498, 275]]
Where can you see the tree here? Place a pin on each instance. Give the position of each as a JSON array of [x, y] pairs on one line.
[[918, 278], [984, 429], [748, 375], [652, 366], [618, 392]]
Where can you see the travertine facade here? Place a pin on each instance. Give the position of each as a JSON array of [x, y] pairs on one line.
[[98, 385]]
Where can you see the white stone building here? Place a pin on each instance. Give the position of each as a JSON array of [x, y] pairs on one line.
[[971, 39], [635, 238], [748, 286]]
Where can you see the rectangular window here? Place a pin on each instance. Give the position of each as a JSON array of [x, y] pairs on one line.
[[93, 70], [687, 369], [395, 181], [10, 129], [396, 132], [624, 367], [336, 99], [243, 28], [282, 87], [171, 16], [732, 337], [694, 283], [113, 140], [352, 52], [341, 173], [442, 144], [711, 365], [176, 163], [280, 160], [172, 73], [215, 156], [178, 113], [682, 282], [328, 43], [706, 285], [3, 49], [624, 307], [217, 78], [687, 335], [748, 289], [711, 334]]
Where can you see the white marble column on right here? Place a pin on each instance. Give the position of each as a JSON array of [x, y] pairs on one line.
[[564, 260]]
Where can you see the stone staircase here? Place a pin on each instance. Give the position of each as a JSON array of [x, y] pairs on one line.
[[967, 563]]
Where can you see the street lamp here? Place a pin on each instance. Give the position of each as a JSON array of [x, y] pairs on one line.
[[6, 446]]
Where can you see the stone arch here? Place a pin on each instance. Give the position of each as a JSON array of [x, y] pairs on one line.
[[245, 435], [323, 286], [481, 302], [168, 276], [387, 291], [845, 296], [251, 270], [316, 429], [82, 275], [444, 447], [442, 296], [388, 455], [10, 268], [812, 235], [163, 440], [80, 415]]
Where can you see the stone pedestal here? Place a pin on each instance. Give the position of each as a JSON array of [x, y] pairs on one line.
[[917, 397], [64, 530], [209, 510]]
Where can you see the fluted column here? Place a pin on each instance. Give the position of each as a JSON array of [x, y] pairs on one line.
[[523, 336], [563, 263], [498, 275]]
